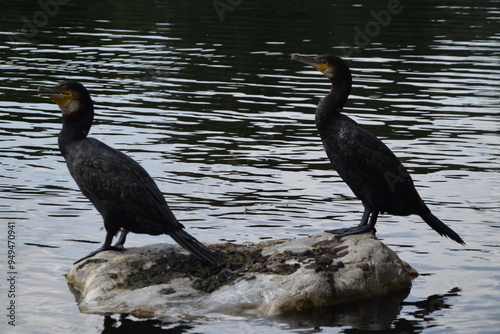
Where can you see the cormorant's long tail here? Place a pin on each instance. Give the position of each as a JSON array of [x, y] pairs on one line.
[[195, 247], [440, 227]]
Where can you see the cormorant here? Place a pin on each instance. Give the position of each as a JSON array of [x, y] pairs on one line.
[[120, 189], [368, 166]]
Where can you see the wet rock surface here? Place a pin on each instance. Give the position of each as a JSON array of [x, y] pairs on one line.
[[263, 279]]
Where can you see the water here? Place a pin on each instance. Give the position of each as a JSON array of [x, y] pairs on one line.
[[223, 120]]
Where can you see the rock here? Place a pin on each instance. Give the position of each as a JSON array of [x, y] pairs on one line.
[[264, 279]]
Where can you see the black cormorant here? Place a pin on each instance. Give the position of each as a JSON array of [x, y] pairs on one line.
[[120, 189], [368, 166]]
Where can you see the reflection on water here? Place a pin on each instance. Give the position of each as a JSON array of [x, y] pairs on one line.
[[131, 325], [374, 315], [223, 121], [381, 315]]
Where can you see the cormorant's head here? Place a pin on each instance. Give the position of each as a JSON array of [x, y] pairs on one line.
[[332, 67], [70, 96]]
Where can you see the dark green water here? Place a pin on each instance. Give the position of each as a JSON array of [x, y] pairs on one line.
[[211, 105]]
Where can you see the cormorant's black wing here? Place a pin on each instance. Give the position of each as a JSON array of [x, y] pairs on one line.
[[112, 177], [377, 165], [370, 156]]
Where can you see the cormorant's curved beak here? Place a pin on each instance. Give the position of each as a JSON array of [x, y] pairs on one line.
[[305, 60], [48, 91], [312, 62], [55, 94]]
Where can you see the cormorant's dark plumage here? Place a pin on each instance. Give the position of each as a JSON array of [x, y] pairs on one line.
[[367, 165], [121, 190]]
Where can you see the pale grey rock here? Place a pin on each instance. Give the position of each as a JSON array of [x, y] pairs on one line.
[[264, 279]]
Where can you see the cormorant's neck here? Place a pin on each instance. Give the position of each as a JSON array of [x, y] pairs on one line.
[[76, 126], [332, 104]]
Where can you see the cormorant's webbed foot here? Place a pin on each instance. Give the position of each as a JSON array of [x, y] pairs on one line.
[[107, 244], [342, 232], [102, 249], [364, 227]]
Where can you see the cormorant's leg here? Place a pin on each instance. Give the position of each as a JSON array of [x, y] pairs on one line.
[[373, 220], [107, 245], [364, 226], [366, 214], [121, 240]]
